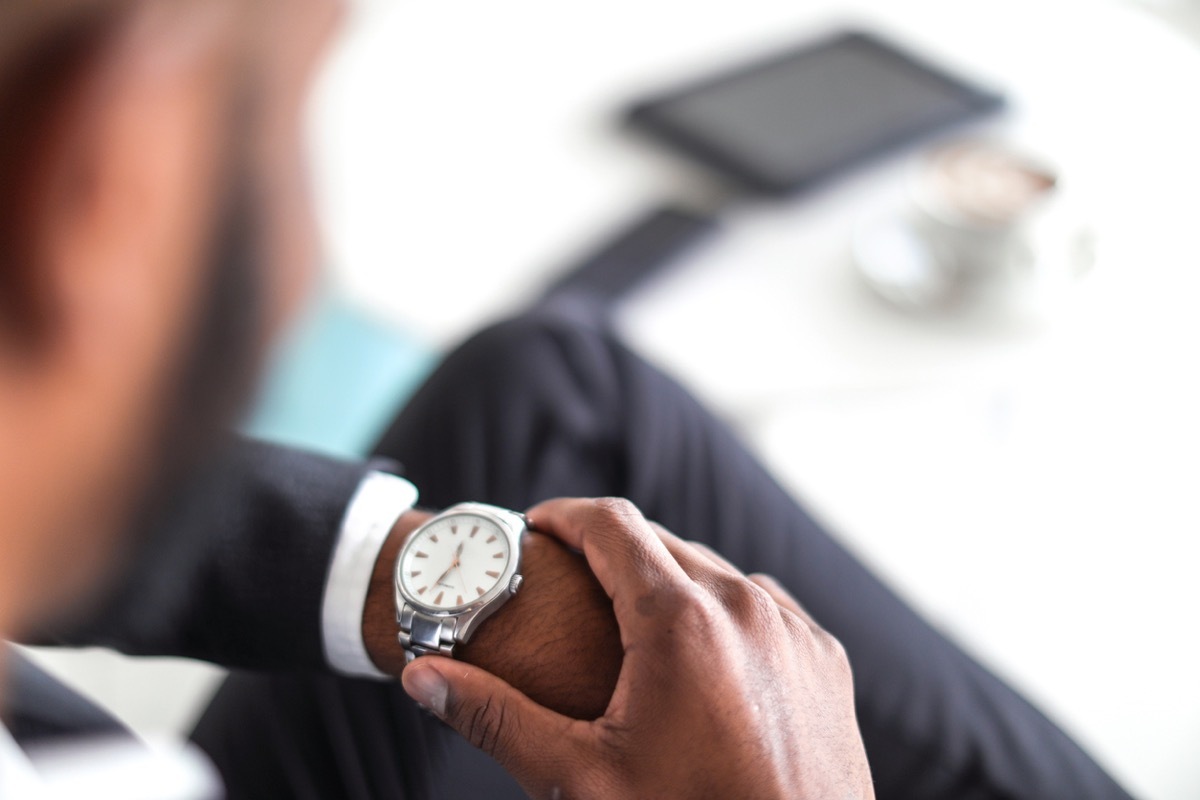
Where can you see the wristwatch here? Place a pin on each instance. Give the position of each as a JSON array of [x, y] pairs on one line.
[[454, 572]]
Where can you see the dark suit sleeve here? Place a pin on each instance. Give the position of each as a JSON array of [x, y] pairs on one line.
[[233, 571]]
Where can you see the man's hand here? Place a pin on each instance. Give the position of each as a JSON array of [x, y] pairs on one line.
[[556, 640], [727, 687]]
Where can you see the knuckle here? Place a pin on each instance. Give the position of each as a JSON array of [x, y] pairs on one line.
[[685, 602], [752, 604], [615, 511], [834, 651], [759, 578], [659, 528], [488, 726], [682, 607], [799, 629], [616, 523], [761, 603], [606, 771], [834, 646], [806, 637]]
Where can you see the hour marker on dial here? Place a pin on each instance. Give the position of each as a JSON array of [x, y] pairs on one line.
[[464, 553]]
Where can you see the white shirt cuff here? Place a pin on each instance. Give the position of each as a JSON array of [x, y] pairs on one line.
[[374, 509]]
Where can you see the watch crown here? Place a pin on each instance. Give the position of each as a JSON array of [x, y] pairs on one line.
[[515, 584]]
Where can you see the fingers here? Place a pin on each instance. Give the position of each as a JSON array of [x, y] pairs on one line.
[[706, 565], [637, 561], [716, 558], [710, 569], [622, 549], [702, 565], [532, 742], [696, 558]]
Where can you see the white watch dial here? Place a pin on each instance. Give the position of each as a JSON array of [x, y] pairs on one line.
[[454, 561]]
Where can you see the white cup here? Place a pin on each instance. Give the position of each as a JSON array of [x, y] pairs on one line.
[[987, 230]]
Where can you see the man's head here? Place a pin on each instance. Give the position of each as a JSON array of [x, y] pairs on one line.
[[154, 229]]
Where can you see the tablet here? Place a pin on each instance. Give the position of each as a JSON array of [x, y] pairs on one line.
[[786, 122]]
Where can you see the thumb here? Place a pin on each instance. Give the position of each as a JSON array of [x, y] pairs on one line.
[[526, 738]]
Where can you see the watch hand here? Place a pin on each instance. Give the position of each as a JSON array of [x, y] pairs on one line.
[[453, 566], [447, 572]]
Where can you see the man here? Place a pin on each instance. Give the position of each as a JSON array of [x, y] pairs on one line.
[[155, 230]]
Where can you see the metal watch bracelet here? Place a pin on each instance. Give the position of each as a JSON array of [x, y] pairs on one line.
[[423, 635]]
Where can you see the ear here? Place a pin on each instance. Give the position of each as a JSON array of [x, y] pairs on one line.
[[113, 169]]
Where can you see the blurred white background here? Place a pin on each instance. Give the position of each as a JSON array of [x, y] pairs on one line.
[[1031, 488]]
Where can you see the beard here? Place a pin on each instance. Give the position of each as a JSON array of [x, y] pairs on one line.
[[212, 386]]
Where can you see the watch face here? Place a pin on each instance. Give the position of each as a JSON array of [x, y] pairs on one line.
[[454, 561]]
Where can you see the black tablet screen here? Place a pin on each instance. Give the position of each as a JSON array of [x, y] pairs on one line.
[[785, 122]]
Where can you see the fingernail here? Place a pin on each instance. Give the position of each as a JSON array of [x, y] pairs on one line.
[[427, 686]]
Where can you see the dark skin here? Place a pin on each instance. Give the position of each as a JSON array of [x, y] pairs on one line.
[[568, 660], [667, 673], [727, 687]]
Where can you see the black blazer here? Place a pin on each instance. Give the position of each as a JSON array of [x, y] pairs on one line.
[[235, 569]]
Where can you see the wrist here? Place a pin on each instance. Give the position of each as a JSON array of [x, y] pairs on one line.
[[556, 640], [379, 613]]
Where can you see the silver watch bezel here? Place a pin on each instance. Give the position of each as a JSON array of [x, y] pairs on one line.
[[467, 617]]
